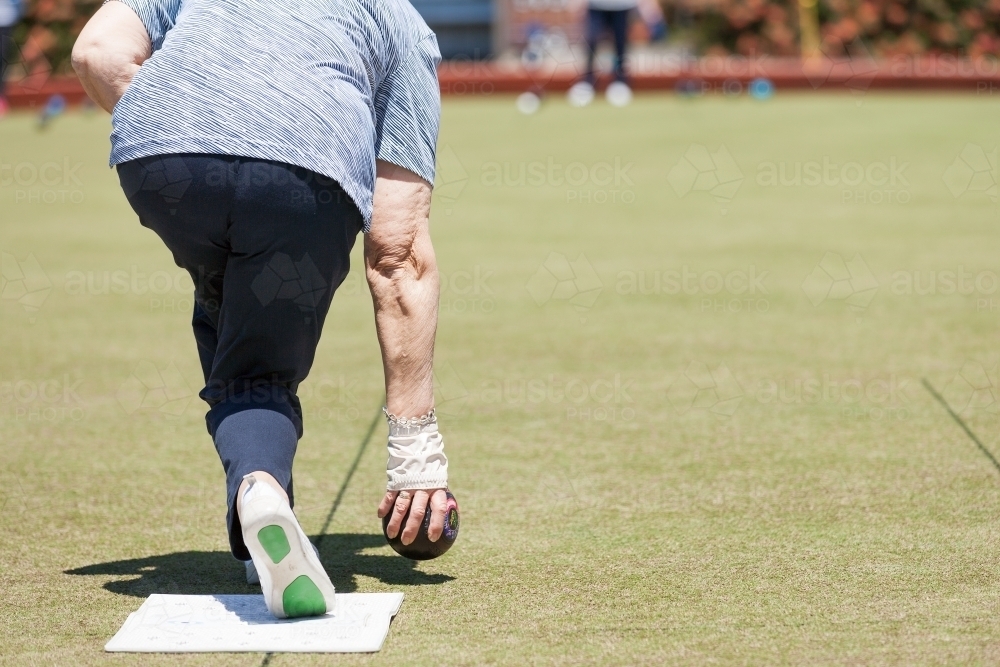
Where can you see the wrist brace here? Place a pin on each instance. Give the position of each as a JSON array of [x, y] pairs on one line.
[[416, 454]]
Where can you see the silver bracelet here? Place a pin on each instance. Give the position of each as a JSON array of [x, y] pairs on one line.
[[409, 422]]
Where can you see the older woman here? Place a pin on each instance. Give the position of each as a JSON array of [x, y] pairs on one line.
[[257, 139]]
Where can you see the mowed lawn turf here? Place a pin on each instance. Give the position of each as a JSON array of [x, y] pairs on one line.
[[681, 389]]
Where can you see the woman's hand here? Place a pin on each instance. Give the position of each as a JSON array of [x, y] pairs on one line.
[[399, 501], [109, 51]]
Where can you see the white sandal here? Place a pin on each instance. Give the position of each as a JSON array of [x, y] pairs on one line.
[[286, 563]]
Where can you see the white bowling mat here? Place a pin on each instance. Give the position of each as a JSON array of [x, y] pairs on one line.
[[231, 623]]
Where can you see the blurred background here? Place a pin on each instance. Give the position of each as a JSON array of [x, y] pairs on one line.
[[718, 362], [529, 33]]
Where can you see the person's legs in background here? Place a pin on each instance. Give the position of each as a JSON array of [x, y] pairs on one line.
[[618, 22], [6, 49], [597, 21], [582, 92]]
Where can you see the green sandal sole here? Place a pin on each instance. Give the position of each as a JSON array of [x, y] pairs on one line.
[[303, 598]]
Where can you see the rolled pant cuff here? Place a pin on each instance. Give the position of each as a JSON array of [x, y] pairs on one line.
[[248, 440]]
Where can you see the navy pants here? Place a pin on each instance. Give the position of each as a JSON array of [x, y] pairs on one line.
[[6, 53], [266, 244], [616, 22]]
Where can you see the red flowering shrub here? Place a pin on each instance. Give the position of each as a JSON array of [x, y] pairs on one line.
[[46, 34], [884, 27]]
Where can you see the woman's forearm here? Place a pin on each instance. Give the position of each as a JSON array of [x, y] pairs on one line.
[[110, 50], [403, 278]]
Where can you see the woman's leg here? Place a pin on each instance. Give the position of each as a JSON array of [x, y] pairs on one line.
[[290, 237], [267, 245]]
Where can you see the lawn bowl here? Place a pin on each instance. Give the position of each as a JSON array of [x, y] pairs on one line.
[[422, 548]]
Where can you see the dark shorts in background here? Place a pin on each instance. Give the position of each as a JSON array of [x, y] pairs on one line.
[[615, 22], [6, 53]]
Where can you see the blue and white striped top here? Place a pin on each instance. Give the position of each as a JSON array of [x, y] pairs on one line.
[[329, 85]]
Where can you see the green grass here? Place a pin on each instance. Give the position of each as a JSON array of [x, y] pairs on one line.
[[820, 507]]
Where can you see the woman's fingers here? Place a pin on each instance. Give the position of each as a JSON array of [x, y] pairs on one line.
[[439, 507], [398, 502], [387, 500], [399, 508], [417, 513]]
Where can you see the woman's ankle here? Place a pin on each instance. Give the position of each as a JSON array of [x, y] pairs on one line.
[[257, 477]]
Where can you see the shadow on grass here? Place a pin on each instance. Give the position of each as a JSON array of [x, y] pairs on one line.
[[217, 572]]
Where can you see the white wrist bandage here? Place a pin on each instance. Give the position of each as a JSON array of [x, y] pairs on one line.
[[416, 454]]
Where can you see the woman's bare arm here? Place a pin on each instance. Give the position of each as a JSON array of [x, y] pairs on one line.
[[403, 277], [109, 51]]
